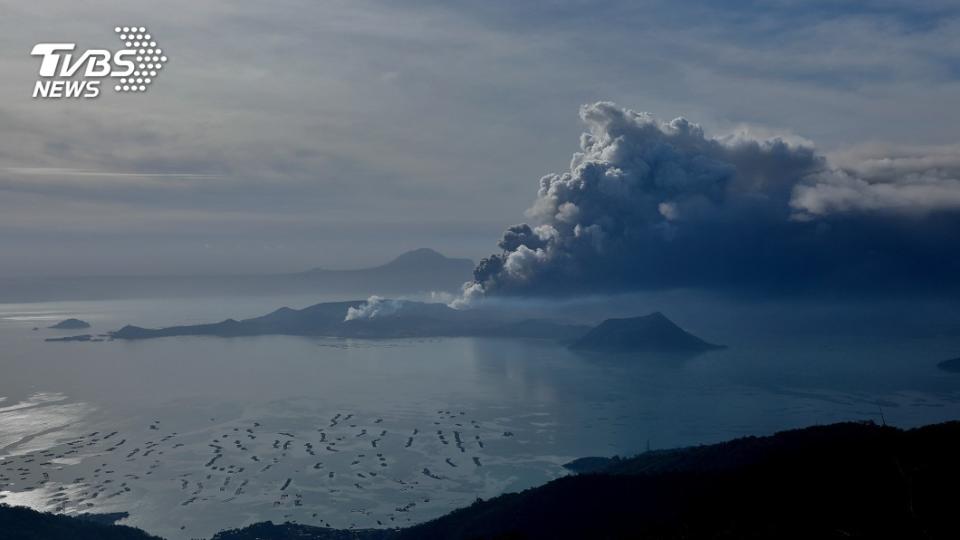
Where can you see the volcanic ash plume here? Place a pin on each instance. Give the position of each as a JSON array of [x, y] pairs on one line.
[[648, 204]]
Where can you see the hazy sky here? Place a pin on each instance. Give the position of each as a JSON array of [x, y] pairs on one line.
[[289, 134]]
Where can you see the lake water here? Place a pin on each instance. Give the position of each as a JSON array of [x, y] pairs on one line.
[[193, 435]]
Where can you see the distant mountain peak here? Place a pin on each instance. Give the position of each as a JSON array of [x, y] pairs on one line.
[[422, 252], [419, 256], [417, 271], [416, 259]]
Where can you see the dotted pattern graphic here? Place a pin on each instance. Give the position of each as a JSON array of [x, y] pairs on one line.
[[149, 60]]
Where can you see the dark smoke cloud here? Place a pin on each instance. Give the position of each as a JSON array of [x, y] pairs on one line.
[[650, 204]]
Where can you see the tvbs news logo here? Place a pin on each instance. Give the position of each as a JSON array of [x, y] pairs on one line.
[[66, 72]]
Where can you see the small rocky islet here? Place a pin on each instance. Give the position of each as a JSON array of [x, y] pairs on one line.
[[70, 324]]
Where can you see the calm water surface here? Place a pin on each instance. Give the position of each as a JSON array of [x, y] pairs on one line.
[[193, 435]]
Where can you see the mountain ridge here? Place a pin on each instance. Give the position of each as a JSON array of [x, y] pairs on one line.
[[413, 258], [417, 271], [403, 319], [378, 318]]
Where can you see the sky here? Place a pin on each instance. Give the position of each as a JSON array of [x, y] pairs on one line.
[[293, 134]]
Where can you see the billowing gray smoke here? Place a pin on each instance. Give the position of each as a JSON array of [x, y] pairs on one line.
[[650, 204]]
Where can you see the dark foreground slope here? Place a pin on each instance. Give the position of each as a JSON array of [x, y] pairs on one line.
[[18, 523], [838, 481]]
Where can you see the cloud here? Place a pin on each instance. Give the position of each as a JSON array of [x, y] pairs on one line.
[[838, 192], [651, 204], [915, 181]]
